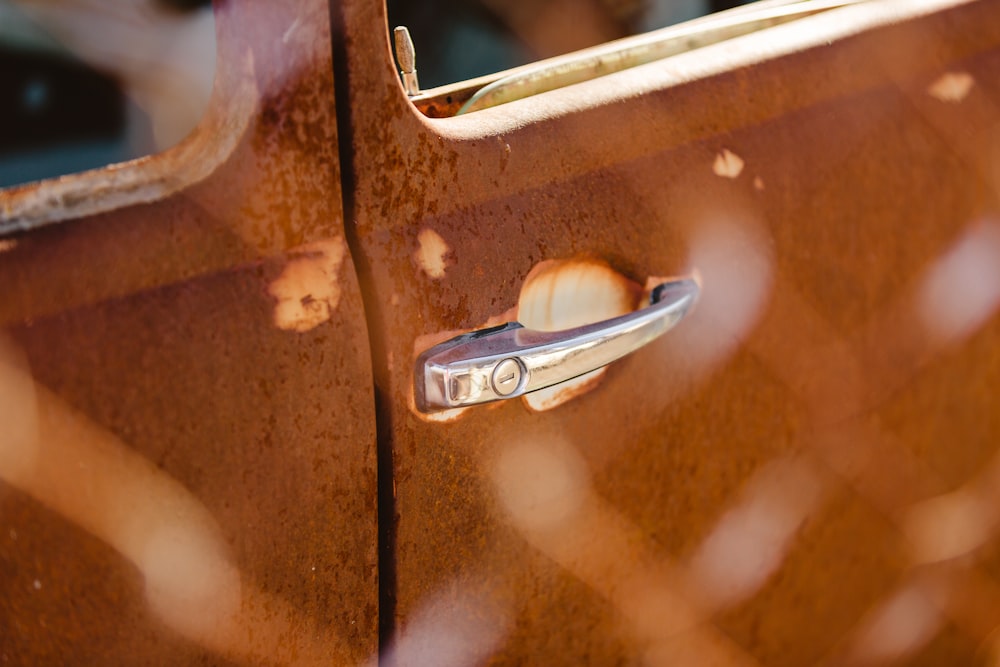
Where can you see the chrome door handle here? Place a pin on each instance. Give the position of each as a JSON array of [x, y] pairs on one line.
[[509, 360]]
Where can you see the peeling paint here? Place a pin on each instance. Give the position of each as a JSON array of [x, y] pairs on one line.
[[562, 294], [431, 254], [428, 341], [556, 295], [443, 416], [553, 397], [728, 164], [308, 290], [951, 87]]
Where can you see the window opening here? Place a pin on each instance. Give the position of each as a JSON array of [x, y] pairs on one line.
[[89, 83], [522, 29]]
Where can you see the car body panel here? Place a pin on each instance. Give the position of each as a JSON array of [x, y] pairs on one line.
[[800, 472], [200, 387], [817, 176]]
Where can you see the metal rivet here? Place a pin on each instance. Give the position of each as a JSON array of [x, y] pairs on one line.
[[507, 377]]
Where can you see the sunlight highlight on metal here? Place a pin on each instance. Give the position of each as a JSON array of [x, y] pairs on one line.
[[751, 540], [542, 486], [90, 478], [897, 628], [460, 624], [957, 523], [730, 256], [962, 290], [949, 526], [635, 51], [546, 491], [19, 416]]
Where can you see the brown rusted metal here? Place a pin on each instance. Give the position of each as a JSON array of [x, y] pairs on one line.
[[819, 183], [196, 340], [804, 471]]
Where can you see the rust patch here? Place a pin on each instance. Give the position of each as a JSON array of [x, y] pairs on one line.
[[308, 290], [91, 478]]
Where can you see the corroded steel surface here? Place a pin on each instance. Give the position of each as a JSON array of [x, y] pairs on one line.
[[768, 483], [804, 471], [198, 424]]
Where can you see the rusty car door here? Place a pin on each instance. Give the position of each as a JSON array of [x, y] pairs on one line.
[[805, 468], [187, 433]]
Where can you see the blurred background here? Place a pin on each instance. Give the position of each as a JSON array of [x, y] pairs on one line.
[[87, 83]]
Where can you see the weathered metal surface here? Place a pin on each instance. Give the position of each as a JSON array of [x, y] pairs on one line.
[[767, 483], [187, 475], [804, 472]]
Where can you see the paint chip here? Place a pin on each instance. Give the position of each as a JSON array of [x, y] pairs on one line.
[[430, 255], [428, 341], [308, 289], [758, 184], [442, 416], [37, 584], [563, 294], [554, 396], [728, 164], [951, 87]]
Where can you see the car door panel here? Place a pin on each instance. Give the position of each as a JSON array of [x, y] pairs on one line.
[[187, 465], [749, 487], [200, 346]]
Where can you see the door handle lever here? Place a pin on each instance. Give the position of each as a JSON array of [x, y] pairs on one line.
[[510, 360]]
